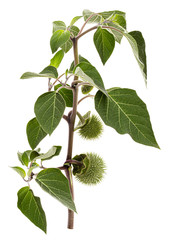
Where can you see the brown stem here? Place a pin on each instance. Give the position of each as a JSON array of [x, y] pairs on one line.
[[71, 123]]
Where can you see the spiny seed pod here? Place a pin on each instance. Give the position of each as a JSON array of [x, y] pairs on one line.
[[92, 129], [92, 170], [85, 89]]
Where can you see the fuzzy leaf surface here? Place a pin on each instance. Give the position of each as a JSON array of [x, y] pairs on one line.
[[48, 72], [20, 171], [81, 59], [57, 58], [75, 19], [58, 25], [56, 184], [31, 207], [137, 43], [35, 133], [105, 43], [49, 109], [124, 111], [53, 151], [89, 74], [59, 38], [67, 95]]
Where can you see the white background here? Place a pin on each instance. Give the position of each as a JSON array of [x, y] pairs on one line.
[[134, 200]]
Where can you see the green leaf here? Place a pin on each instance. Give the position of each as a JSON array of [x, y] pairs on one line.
[[67, 46], [20, 171], [105, 43], [89, 74], [56, 184], [35, 133], [48, 72], [74, 30], [58, 39], [19, 154], [58, 25], [67, 95], [120, 20], [124, 111], [118, 32], [137, 43], [31, 207], [57, 58], [34, 165], [54, 151], [26, 157], [81, 59], [95, 19], [83, 120], [85, 89], [49, 109], [108, 14], [75, 19]]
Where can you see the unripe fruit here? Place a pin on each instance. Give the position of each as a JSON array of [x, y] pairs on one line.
[[92, 129], [85, 89], [92, 170]]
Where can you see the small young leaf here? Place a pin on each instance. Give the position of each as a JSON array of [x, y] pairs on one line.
[[48, 72], [83, 120], [58, 25], [120, 20], [20, 171], [35, 133], [67, 95], [85, 89], [19, 154], [58, 39], [56, 184], [137, 43], [34, 165], [26, 157], [54, 151], [89, 74], [75, 19], [49, 109], [105, 43], [124, 111], [57, 58], [31, 207], [74, 30]]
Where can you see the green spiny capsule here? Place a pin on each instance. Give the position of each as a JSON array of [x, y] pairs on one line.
[[92, 129], [85, 89], [92, 170]]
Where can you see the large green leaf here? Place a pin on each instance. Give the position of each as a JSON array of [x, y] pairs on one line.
[[58, 25], [137, 43], [49, 109], [57, 58], [56, 184], [53, 151], [20, 171], [58, 39], [105, 43], [67, 95], [124, 111], [48, 72], [35, 133], [89, 74], [31, 207]]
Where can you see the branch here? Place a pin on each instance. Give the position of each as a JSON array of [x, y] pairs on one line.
[[85, 98], [86, 23]]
